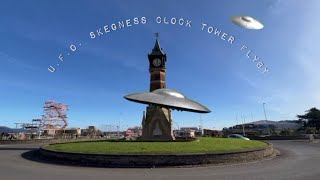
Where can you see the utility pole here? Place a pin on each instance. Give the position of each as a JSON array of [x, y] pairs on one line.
[[178, 130], [200, 122], [117, 131], [119, 124], [244, 121], [265, 115]]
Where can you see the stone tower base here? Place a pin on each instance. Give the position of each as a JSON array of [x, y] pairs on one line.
[[157, 125]]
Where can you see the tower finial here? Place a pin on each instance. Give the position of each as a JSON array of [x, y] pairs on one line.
[[157, 50]]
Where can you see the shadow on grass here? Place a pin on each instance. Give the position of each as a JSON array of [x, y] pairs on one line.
[[35, 156], [15, 149]]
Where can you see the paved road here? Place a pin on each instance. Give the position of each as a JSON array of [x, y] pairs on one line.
[[299, 160]]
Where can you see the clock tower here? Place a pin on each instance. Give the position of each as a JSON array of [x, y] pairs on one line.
[[157, 67], [157, 123]]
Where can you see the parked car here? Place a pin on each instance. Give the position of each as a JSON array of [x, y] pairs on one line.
[[238, 136]]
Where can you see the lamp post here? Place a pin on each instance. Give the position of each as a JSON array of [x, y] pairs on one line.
[[244, 121], [265, 115], [119, 125], [177, 131], [177, 125]]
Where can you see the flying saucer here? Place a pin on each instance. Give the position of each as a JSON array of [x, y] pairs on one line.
[[247, 22], [168, 98]]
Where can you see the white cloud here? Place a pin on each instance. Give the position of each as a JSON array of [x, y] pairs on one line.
[[307, 52], [274, 5], [9, 60], [117, 57], [247, 80]]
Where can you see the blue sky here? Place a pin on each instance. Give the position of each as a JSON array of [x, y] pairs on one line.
[[93, 79]]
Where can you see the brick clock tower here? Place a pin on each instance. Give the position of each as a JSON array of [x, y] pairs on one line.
[[157, 67], [157, 123]]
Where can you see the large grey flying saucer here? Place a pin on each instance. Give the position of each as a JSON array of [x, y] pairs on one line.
[[168, 98], [247, 22]]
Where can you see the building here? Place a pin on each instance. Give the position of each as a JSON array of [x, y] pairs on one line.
[[212, 133], [73, 131], [265, 127], [184, 133], [197, 131], [91, 131], [7, 133], [288, 124], [137, 131], [7, 130], [188, 132]]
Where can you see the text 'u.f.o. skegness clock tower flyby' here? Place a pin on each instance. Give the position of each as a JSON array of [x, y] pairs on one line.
[[157, 123]]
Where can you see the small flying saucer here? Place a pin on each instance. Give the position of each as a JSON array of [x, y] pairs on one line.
[[168, 98], [247, 22]]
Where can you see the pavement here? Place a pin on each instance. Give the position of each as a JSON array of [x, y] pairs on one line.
[[298, 160]]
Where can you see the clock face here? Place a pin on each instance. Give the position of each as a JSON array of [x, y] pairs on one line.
[[156, 62]]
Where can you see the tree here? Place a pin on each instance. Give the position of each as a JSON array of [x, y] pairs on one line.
[[311, 118]]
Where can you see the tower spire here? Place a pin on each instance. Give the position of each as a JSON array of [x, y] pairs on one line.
[[157, 66], [157, 50], [143, 119]]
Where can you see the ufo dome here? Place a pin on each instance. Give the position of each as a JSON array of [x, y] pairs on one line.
[[247, 18], [169, 92], [247, 22]]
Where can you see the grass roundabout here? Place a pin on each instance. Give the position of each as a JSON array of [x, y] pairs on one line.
[[202, 146]]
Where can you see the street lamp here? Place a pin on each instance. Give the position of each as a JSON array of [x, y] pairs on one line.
[[178, 131], [177, 125], [244, 121], [265, 115]]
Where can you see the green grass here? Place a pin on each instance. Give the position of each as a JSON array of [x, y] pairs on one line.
[[204, 145]]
